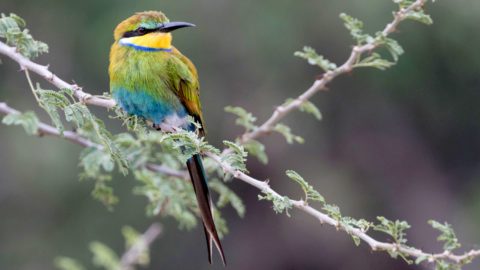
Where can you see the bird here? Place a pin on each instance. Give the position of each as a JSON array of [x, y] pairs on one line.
[[153, 80]]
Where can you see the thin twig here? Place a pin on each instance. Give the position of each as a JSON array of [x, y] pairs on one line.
[[27, 74], [27, 64], [131, 257], [168, 171]]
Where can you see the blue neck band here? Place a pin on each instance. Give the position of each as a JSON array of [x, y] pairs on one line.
[[146, 49]]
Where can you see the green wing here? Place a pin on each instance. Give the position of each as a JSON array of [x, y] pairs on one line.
[[185, 83]]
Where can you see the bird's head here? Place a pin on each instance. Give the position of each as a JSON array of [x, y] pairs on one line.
[[147, 31]]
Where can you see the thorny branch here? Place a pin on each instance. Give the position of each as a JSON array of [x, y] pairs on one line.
[[279, 113]]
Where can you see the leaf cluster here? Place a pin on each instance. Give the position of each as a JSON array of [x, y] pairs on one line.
[[286, 131], [280, 203], [11, 30], [236, 157], [310, 193], [355, 27], [98, 162], [244, 118], [447, 235], [247, 120], [396, 229], [106, 258], [168, 195], [28, 120]]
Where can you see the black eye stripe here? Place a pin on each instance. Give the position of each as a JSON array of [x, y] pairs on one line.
[[138, 32]]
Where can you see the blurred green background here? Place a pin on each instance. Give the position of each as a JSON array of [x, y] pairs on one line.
[[403, 143]]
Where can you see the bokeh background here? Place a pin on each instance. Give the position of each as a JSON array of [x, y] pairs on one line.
[[404, 143]]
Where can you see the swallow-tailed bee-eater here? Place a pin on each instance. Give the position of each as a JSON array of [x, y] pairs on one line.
[[151, 79]]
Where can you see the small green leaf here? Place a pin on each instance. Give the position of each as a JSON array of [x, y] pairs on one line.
[[50, 101], [236, 158], [391, 45], [315, 59], [78, 114], [447, 235], [168, 196], [310, 108], [98, 165], [186, 143], [245, 119], [94, 160], [419, 16], [65, 263], [444, 265], [257, 149], [421, 258], [104, 194], [287, 133], [356, 240], [332, 211], [227, 196], [375, 61], [280, 204], [95, 130], [355, 26], [396, 229], [104, 257], [28, 120], [360, 224], [310, 192], [132, 237], [403, 3], [350, 223], [307, 107]]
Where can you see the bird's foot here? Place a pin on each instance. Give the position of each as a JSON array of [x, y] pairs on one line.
[[156, 126], [166, 127]]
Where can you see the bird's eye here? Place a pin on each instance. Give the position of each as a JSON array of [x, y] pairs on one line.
[[141, 30]]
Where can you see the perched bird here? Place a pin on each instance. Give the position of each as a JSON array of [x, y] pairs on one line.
[[150, 78]]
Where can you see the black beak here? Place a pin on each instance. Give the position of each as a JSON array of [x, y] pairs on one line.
[[170, 26]]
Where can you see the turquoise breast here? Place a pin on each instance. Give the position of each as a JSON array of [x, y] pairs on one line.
[[142, 104]]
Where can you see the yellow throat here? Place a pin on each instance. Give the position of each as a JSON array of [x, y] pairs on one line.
[[155, 40]]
